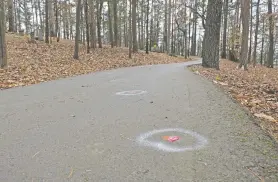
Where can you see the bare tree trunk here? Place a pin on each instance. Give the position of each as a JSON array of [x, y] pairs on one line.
[[147, 29], [245, 14], [46, 22], [254, 59], [251, 31], [165, 39], [224, 43], [110, 25], [212, 34], [134, 31], [125, 24], [262, 50], [77, 29], [169, 27], [93, 23], [87, 26], [115, 12], [129, 31], [99, 12], [3, 49], [270, 35], [11, 16], [57, 32]]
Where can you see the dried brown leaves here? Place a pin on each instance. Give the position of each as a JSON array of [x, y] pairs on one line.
[[34, 63], [256, 89]]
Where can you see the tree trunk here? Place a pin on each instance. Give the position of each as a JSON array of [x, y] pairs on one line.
[[224, 43], [129, 32], [262, 50], [270, 35], [169, 27], [3, 49], [11, 16], [87, 26], [93, 23], [251, 31], [245, 14], [77, 29], [99, 11], [57, 21], [165, 39], [46, 22], [111, 39], [125, 24], [212, 34], [147, 28], [194, 32], [134, 31], [115, 12], [254, 57]]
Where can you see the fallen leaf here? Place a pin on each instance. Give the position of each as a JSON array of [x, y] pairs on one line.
[[264, 116]]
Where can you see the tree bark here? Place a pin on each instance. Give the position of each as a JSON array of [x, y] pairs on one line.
[[134, 31], [251, 31], [129, 32], [254, 56], [3, 48], [111, 39], [87, 26], [115, 12], [99, 12], [11, 16], [46, 22], [245, 14], [92, 23], [212, 34], [77, 29], [270, 35], [147, 28], [224, 43]]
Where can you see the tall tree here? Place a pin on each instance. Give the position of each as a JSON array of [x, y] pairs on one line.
[[3, 51], [115, 11], [46, 22], [250, 31], [245, 14], [224, 43], [87, 26], [92, 23], [11, 15], [77, 30], [110, 24], [147, 28], [169, 26], [134, 31], [212, 34], [129, 31], [270, 35], [254, 56], [99, 12]]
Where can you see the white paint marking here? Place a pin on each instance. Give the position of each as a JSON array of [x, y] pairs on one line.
[[143, 140], [131, 92]]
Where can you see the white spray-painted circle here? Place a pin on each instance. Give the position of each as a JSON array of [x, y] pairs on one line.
[[143, 140], [131, 92]]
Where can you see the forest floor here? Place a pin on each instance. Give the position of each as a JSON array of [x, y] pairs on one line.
[[30, 63], [255, 89]]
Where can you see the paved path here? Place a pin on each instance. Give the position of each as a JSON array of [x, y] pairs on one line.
[[79, 129]]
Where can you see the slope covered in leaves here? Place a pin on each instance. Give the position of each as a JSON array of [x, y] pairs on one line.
[[256, 89], [30, 63]]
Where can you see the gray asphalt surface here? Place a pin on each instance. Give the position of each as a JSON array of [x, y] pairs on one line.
[[79, 129]]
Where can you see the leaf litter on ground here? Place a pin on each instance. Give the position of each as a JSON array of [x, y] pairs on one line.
[[34, 63], [255, 89]]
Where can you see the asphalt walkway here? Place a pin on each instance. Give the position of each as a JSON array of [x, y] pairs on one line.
[[149, 123]]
